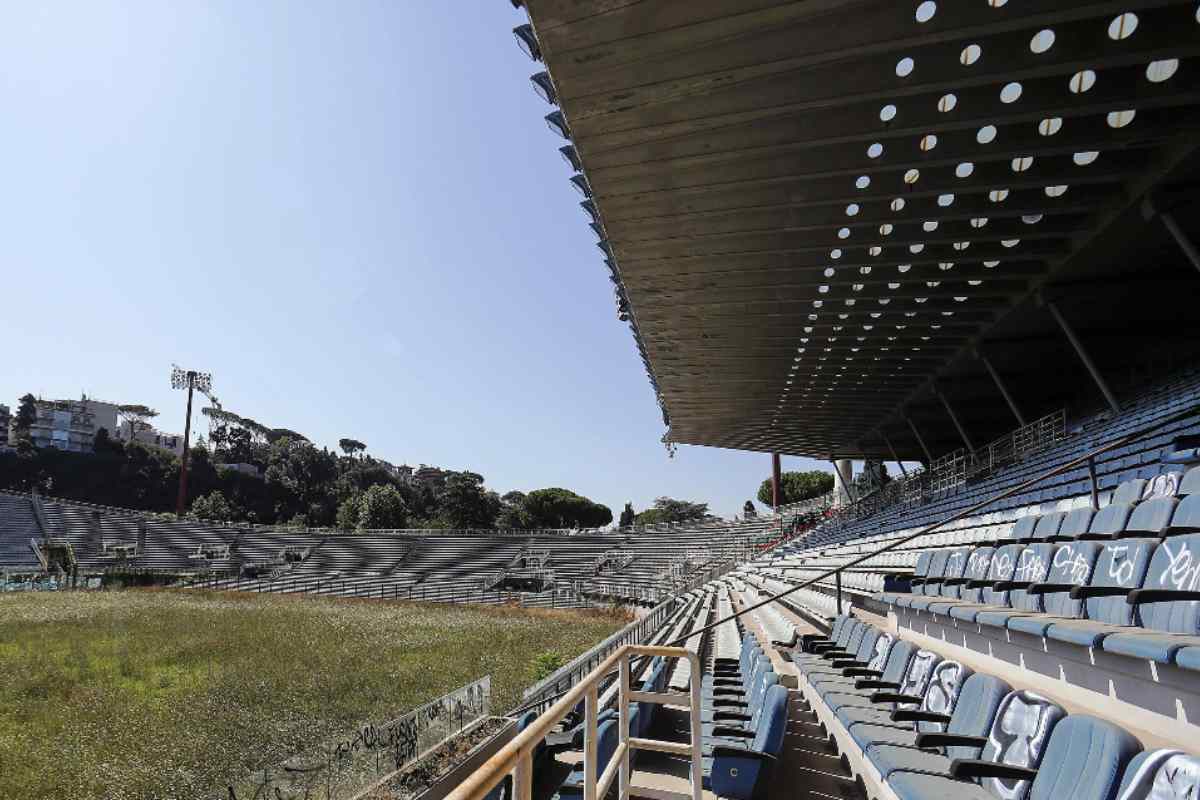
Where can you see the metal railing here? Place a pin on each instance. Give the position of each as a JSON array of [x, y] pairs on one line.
[[947, 473], [516, 757], [567, 676], [1087, 460]]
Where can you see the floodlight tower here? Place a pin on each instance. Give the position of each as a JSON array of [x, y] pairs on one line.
[[188, 379]]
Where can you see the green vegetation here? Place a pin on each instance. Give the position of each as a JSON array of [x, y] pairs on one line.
[[300, 484], [667, 509], [797, 486], [546, 664], [141, 694]]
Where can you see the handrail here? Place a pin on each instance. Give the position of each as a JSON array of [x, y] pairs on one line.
[[1129, 438], [516, 757]]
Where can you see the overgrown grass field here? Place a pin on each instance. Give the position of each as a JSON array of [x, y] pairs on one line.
[[163, 694]]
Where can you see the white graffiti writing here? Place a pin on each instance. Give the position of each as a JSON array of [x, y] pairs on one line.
[[1162, 486], [978, 563], [1121, 563], [1002, 564], [1182, 570], [882, 645], [1031, 566], [1072, 565]]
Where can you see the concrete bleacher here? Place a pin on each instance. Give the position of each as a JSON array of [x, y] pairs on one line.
[[434, 566], [1080, 625], [18, 526]]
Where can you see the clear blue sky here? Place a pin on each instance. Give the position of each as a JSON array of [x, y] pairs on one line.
[[352, 213]]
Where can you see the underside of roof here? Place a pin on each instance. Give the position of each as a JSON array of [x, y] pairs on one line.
[[819, 214]]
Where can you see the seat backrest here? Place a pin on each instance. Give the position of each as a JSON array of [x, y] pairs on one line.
[[1049, 524], [1018, 736], [941, 695], [1024, 528], [1151, 517], [772, 724], [856, 637], [1076, 523], [921, 568], [979, 563], [1161, 775], [1174, 565], [866, 648], [956, 563], [1130, 491], [975, 710], [1165, 484], [882, 652], [607, 736], [920, 671], [1004, 564], [1033, 565], [1111, 520], [1085, 758], [1187, 516], [937, 568], [897, 661], [1191, 483], [1121, 563], [847, 632], [1073, 564]]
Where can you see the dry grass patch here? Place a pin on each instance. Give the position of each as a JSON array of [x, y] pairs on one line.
[[159, 694]]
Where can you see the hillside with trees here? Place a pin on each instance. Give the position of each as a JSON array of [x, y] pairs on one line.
[[297, 483]]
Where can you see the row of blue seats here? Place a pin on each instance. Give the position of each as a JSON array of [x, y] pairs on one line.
[[1125, 578], [571, 788], [1140, 459], [743, 722], [929, 727], [744, 717]]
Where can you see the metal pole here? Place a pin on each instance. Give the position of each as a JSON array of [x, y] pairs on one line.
[[1003, 389], [1084, 357], [775, 478], [895, 457], [920, 441], [1185, 244], [954, 418], [1095, 486], [183, 460], [837, 577]]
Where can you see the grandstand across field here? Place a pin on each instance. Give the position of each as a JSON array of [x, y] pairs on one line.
[[954, 234]]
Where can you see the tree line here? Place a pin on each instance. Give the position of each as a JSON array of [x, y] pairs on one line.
[[297, 483]]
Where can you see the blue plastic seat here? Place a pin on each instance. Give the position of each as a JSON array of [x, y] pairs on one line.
[[913, 686], [1032, 566], [1082, 758], [1072, 566], [1048, 526], [946, 587], [928, 584], [734, 771], [1109, 521], [1161, 775], [859, 685], [1120, 568], [975, 702], [965, 589], [988, 594], [1167, 604]]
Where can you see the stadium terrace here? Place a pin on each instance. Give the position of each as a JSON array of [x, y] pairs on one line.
[[955, 234]]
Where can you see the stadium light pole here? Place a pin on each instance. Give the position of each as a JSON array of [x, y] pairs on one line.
[[190, 380]]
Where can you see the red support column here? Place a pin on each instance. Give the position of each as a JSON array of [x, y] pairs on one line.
[[775, 498]]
